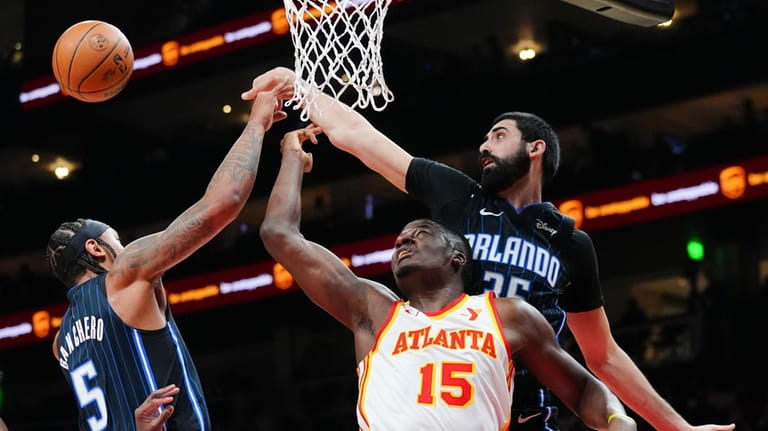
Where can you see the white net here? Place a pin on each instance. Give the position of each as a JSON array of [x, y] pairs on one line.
[[337, 49]]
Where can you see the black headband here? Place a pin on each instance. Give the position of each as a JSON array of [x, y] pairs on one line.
[[91, 229]]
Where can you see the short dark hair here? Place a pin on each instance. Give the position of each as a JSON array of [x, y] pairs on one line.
[[533, 127]]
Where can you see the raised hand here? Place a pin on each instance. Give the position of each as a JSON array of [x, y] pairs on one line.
[[148, 415], [292, 141], [267, 107], [280, 79]]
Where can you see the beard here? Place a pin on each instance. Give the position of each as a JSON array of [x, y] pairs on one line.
[[505, 172]]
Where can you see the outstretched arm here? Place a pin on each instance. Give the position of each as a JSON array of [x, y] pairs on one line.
[[346, 129], [532, 339], [327, 281], [615, 368], [227, 192]]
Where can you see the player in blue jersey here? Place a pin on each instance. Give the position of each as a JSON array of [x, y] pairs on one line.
[[442, 360], [118, 341], [525, 246]]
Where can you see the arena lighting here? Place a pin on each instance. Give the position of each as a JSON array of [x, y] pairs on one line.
[[695, 249], [525, 49], [526, 54], [184, 50], [61, 168], [640, 202], [665, 197]]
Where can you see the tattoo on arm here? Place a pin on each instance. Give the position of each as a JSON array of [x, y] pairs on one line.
[[242, 161], [235, 176]]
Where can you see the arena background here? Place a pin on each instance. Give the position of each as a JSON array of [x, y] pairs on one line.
[[631, 104]]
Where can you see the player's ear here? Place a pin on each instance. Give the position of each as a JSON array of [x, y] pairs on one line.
[[459, 257], [94, 248], [537, 147]]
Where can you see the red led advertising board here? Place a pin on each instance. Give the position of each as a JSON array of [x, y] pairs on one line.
[[669, 196]]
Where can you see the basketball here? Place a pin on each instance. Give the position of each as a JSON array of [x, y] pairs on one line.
[[92, 61]]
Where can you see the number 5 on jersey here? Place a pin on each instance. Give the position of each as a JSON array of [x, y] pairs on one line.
[[85, 395]]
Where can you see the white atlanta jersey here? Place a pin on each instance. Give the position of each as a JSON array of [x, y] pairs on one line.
[[449, 370]]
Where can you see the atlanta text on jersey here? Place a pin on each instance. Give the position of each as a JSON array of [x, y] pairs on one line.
[[460, 339]]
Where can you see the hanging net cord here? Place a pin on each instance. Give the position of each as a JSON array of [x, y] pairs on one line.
[[337, 47]]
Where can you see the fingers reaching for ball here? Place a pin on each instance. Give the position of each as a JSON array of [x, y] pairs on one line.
[[279, 79], [293, 140]]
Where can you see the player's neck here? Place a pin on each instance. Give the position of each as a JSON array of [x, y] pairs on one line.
[[433, 300], [87, 275], [523, 192]]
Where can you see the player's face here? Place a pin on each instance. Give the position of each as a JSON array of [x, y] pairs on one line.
[[111, 237], [503, 156], [419, 246]]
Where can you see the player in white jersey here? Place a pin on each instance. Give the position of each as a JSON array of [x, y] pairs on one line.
[[460, 347], [505, 220], [443, 360]]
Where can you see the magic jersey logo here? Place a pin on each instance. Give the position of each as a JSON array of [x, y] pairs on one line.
[[459, 339], [83, 329], [517, 252], [541, 225]]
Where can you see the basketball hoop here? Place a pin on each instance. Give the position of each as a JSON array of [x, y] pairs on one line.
[[337, 50]]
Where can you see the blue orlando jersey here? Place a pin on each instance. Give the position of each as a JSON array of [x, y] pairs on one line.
[[535, 253], [113, 367]]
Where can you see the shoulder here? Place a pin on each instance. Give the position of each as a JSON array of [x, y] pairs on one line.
[[514, 311], [424, 163], [572, 237], [522, 323], [376, 298], [380, 290], [581, 241], [420, 166], [579, 254], [443, 189]]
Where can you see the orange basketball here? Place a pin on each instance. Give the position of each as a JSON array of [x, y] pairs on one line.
[[92, 61]]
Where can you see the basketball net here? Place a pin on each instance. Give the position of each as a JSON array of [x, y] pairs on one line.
[[337, 50]]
